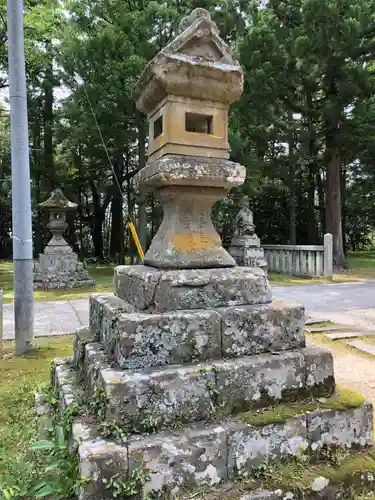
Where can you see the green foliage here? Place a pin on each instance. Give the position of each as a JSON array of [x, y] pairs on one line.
[[132, 485], [306, 117], [21, 467]]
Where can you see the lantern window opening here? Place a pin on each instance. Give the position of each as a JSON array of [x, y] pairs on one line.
[[158, 126], [198, 123]]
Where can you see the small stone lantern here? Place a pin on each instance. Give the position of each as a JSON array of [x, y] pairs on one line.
[[58, 266], [186, 91], [58, 206]]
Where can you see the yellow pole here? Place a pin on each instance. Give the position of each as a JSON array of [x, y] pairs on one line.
[[136, 240]]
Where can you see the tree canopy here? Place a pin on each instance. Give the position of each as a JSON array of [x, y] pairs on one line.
[[304, 127]]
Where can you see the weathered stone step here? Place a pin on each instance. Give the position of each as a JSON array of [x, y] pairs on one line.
[[203, 455], [363, 346], [188, 393], [140, 340], [347, 335]]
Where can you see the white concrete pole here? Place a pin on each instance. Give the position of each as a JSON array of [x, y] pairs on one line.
[[21, 197]]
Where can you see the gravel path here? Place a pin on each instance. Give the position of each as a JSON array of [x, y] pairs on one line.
[[353, 371]]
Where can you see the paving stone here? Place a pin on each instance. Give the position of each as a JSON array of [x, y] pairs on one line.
[[150, 340], [363, 346], [248, 330], [160, 291], [250, 446], [315, 321], [353, 428], [347, 335], [333, 328]]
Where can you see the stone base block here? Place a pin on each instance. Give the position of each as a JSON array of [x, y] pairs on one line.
[[56, 270], [141, 340], [194, 458], [186, 393], [153, 290], [57, 281], [202, 455], [104, 312], [328, 428]]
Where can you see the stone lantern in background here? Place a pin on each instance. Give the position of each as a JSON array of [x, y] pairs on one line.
[[58, 266]]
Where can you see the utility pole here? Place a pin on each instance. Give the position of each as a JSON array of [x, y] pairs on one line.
[[21, 197]]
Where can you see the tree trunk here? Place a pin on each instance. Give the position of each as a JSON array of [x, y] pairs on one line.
[[291, 183], [97, 221], [343, 197], [333, 192], [97, 235], [292, 220], [116, 224], [311, 223], [320, 187], [48, 118]]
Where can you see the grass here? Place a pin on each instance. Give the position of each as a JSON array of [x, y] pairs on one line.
[[361, 267], [20, 378], [102, 274]]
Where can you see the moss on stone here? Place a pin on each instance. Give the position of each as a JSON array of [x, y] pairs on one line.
[[297, 477], [341, 400]]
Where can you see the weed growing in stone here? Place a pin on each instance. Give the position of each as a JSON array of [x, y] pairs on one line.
[[127, 487]]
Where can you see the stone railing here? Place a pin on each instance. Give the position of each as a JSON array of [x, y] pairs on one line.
[[301, 260]]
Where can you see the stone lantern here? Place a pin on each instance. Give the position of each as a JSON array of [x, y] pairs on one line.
[[186, 91], [191, 353], [58, 266]]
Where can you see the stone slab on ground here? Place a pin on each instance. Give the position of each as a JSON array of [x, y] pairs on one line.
[[315, 321], [347, 335], [363, 346], [333, 328]]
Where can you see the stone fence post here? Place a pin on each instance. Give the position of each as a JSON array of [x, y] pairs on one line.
[[328, 255]]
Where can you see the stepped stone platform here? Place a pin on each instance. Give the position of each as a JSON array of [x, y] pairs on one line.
[[190, 377], [190, 412]]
